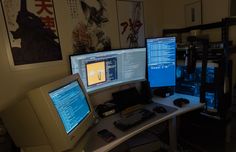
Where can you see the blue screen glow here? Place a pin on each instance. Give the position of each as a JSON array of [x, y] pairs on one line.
[[71, 105], [161, 56]]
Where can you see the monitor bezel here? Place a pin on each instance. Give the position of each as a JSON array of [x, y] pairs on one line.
[[46, 111], [115, 50], [150, 38]]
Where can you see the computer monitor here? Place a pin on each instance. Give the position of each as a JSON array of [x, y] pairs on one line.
[[52, 117], [108, 68], [161, 61]]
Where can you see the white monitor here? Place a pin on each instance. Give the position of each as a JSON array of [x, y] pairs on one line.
[[108, 68], [54, 116]]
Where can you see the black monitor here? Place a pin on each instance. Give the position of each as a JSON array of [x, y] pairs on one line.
[[161, 61], [104, 69]]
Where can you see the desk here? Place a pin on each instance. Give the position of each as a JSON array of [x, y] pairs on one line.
[[99, 145]]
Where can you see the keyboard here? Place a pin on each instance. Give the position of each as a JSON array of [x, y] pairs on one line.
[[134, 119]]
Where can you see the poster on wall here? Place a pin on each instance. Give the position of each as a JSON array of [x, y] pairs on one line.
[[131, 23], [89, 18], [32, 31], [193, 13]]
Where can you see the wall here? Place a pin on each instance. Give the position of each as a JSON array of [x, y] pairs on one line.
[[153, 17], [15, 83], [212, 11], [174, 14]]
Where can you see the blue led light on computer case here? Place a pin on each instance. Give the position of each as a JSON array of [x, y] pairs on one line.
[[190, 84], [211, 103], [186, 83]]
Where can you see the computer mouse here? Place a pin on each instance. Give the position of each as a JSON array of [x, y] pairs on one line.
[[180, 102], [159, 109]]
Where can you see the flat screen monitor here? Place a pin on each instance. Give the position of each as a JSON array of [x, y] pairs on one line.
[[161, 61], [53, 117], [108, 68]]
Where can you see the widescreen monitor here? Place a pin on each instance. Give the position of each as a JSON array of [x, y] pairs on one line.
[[104, 69], [161, 61], [52, 118]]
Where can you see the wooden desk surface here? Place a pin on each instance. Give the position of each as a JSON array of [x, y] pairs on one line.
[[97, 144]]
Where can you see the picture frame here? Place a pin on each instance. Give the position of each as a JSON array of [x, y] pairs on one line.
[[31, 35], [193, 13], [130, 16], [91, 24]]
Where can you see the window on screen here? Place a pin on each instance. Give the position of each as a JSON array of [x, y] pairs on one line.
[[161, 54], [96, 72]]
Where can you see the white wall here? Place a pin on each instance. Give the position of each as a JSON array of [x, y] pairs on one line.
[[174, 12], [153, 17], [212, 11]]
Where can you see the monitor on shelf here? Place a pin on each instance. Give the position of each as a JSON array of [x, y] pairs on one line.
[[52, 118], [161, 61], [108, 68]]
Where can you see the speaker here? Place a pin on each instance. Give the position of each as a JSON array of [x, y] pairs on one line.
[[146, 92]]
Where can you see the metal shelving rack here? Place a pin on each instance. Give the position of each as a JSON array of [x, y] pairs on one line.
[[216, 125], [225, 66]]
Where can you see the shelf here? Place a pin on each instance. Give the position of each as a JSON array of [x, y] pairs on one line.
[[210, 116], [197, 27], [217, 52]]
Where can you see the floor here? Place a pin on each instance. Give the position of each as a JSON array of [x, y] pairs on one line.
[[191, 139], [231, 146]]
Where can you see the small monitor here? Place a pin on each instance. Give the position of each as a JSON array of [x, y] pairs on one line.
[[53, 117], [108, 68], [161, 61]]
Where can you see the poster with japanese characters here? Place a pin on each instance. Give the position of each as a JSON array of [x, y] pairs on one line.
[[32, 31], [131, 23], [89, 20]]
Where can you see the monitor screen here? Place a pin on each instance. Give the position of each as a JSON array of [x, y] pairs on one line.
[[104, 69], [161, 61], [71, 105]]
